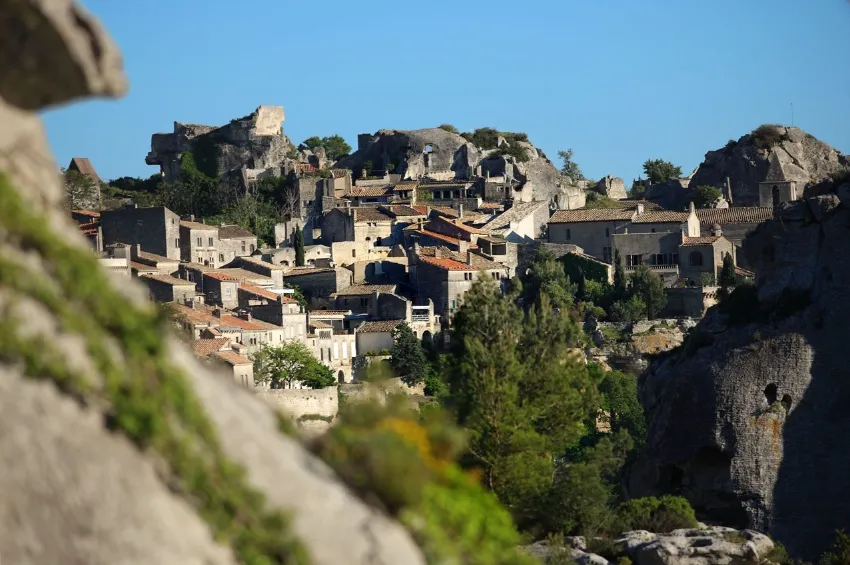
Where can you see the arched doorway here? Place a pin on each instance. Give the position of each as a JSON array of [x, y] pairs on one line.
[[427, 338], [774, 192], [340, 377]]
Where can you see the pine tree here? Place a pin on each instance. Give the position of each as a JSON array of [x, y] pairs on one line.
[[408, 357], [649, 287], [299, 248]]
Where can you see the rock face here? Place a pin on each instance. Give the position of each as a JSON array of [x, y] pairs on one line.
[[747, 419], [445, 155], [255, 142], [804, 159], [79, 484], [703, 546], [612, 187]]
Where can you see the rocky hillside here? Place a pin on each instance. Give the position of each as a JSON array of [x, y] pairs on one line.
[[748, 418], [804, 159], [446, 154]]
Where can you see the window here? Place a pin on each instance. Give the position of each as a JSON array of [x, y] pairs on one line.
[[345, 351], [243, 247], [227, 292], [354, 253], [177, 243], [221, 257], [321, 355], [364, 302], [378, 241], [200, 240], [211, 242], [652, 230], [252, 247], [200, 260], [607, 232], [570, 237], [634, 260], [453, 304], [695, 259]]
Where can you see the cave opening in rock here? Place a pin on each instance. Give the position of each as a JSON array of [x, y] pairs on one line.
[[787, 402], [770, 393]]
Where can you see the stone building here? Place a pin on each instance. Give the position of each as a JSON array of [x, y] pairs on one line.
[[235, 241], [704, 255], [334, 348], [199, 243], [361, 298], [521, 223], [156, 229], [590, 229], [242, 368], [776, 188], [318, 283], [445, 280], [274, 308], [374, 336], [735, 224], [363, 224], [165, 288]]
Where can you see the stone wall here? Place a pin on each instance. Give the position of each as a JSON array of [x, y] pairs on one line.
[[299, 402], [156, 229]]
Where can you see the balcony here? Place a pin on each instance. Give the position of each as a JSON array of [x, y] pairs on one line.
[[660, 269]]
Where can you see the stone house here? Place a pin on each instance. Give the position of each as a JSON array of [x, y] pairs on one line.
[[318, 283], [245, 330], [776, 188], [143, 262], [362, 224], [156, 229], [165, 288], [734, 223], [274, 308], [334, 318], [242, 368], [334, 348], [590, 229], [444, 281], [447, 191], [704, 255], [361, 299], [89, 225], [420, 317], [260, 267], [235, 241], [376, 335], [521, 223], [314, 256], [116, 265], [499, 250], [454, 228], [377, 194], [220, 288], [199, 243]]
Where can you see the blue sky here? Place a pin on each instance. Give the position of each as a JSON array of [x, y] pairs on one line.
[[619, 81]]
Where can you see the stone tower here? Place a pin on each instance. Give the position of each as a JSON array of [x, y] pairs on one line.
[[776, 188]]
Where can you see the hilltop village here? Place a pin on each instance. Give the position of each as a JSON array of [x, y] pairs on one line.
[[398, 231]]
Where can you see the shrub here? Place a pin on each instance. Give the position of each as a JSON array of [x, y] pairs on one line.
[[659, 515], [768, 135], [840, 552], [449, 128], [742, 305], [734, 537]]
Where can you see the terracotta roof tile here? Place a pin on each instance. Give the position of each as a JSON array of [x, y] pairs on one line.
[[233, 232], [661, 217], [249, 288], [705, 240], [447, 264], [89, 213], [204, 347], [406, 185], [319, 324], [490, 206], [142, 268], [400, 210], [220, 276], [457, 223], [438, 236], [421, 209], [301, 271], [253, 325], [591, 215], [197, 317], [367, 191], [232, 358], [378, 326], [145, 256], [84, 166], [339, 173], [167, 279], [735, 215], [329, 312], [367, 214], [261, 263]]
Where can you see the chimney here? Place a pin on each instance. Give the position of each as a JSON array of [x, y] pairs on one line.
[[462, 246], [469, 258], [438, 252], [459, 210], [191, 217], [217, 313], [245, 315], [640, 209]]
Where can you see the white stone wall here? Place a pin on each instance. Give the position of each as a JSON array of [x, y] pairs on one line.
[[299, 402]]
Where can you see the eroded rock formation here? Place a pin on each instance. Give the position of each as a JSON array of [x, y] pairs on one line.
[[748, 418], [117, 447], [612, 187], [804, 159]]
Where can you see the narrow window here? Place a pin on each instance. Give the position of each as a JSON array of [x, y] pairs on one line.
[[607, 232], [199, 242], [211, 243], [176, 243], [243, 247], [568, 235]]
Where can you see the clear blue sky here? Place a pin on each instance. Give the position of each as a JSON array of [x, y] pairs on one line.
[[619, 81]]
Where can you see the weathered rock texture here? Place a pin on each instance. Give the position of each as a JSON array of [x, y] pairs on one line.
[[255, 142], [748, 419], [448, 155], [804, 159], [73, 491], [698, 546], [612, 187]]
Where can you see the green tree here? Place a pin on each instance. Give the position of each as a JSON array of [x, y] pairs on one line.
[[285, 365], [619, 276], [448, 127], [630, 309], [545, 275], [519, 391], [408, 356], [659, 170], [299, 248], [839, 554], [638, 188], [620, 401], [311, 143], [334, 145], [81, 191], [705, 196], [728, 278], [650, 288], [570, 168]]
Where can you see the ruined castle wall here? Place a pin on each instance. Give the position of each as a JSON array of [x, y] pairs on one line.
[[300, 402]]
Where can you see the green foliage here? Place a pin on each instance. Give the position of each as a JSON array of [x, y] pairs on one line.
[[407, 465], [335, 146], [298, 296], [569, 167], [143, 396], [619, 276], [638, 188], [488, 138], [594, 200], [559, 554], [705, 196], [288, 364], [659, 515], [734, 537], [206, 150], [630, 310], [518, 391], [659, 170], [299, 248], [255, 215], [577, 267], [408, 356], [728, 278], [649, 287], [840, 552], [620, 401], [545, 275], [449, 128], [514, 150], [768, 135], [81, 191]]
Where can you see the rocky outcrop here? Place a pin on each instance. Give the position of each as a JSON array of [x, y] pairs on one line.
[[254, 142], [699, 546], [446, 155], [628, 347], [747, 418], [117, 447], [804, 159], [612, 187]]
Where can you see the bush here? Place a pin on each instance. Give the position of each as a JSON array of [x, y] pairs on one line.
[[658, 515], [768, 135], [449, 128], [742, 305]]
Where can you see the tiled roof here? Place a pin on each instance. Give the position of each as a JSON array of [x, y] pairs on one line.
[[366, 289], [431, 251], [89, 213], [195, 316], [167, 279], [591, 215], [514, 214], [300, 271], [447, 264], [705, 240], [89, 229], [661, 217], [142, 268], [421, 209], [145, 256], [775, 172], [406, 185], [339, 173], [242, 275], [735, 215], [253, 325], [400, 210], [233, 232], [220, 276], [490, 206], [196, 225], [233, 358], [744, 272], [84, 166], [329, 313], [204, 347], [445, 211], [319, 324], [448, 185], [378, 326], [265, 293], [439, 236], [367, 214], [366, 191], [478, 261], [261, 263]]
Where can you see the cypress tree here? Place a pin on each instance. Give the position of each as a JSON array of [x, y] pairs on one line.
[[299, 248]]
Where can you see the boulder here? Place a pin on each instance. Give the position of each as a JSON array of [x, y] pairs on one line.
[[823, 205], [612, 187], [90, 474], [709, 546]]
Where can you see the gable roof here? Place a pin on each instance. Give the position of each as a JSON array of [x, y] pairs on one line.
[[591, 215], [233, 232], [447, 264], [367, 214], [367, 191], [261, 292], [232, 358], [735, 215], [378, 326], [166, 279], [197, 225], [204, 347], [455, 223], [516, 213], [662, 217], [704, 240], [221, 277], [403, 210], [261, 263], [366, 289], [84, 166]]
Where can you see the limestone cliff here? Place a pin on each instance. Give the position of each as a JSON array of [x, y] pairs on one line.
[[748, 418], [445, 155], [254, 142], [804, 159]]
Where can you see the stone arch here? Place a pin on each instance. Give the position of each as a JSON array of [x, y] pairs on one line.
[[285, 263], [251, 247], [770, 393], [695, 259], [378, 240], [340, 377]]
